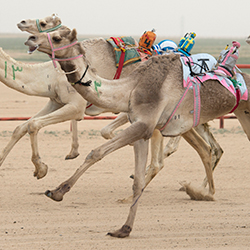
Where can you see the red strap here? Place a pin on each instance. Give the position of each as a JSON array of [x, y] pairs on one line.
[[122, 57], [237, 100], [89, 105], [120, 66], [118, 43]]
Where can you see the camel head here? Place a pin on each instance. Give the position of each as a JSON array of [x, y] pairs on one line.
[[46, 24], [248, 40], [59, 38]]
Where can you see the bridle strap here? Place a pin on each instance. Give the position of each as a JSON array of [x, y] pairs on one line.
[[47, 30], [53, 58], [88, 83]]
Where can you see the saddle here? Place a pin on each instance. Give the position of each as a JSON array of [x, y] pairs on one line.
[[125, 44]]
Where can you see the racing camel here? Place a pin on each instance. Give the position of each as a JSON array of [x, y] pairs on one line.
[[105, 66], [155, 88]]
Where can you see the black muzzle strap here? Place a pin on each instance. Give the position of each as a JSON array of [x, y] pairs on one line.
[[88, 83]]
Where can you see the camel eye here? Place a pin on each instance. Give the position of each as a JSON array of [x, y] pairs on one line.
[[43, 24], [57, 39]]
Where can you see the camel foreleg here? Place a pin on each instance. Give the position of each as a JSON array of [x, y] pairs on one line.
[[140, 152], [107, 131], [74, 145], [136, 131], [56, 114], [21, 130], [156, 161]]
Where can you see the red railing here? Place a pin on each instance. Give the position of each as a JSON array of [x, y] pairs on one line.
[[85, 118]]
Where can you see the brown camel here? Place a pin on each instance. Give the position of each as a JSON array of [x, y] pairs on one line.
[[155, 88], [105, 68]]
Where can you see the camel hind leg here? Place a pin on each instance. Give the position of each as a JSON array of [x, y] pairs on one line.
[[204, 151], [216, 150], [156, 157]]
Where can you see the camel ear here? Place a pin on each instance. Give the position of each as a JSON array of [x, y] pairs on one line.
[[56, 19], [73, 35]]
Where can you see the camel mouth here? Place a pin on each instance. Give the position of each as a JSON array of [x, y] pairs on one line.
[[32, 49], [22, 27]]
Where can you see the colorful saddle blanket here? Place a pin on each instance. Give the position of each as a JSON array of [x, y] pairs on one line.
[[200, 63], [238, 89], [228, 84], [131, 53], [216, 75]]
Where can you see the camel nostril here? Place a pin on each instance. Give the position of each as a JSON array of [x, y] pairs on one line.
[[23, 22], [33, 38]]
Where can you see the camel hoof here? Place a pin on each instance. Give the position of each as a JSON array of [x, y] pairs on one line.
[[198, 194], [41, 172], [58, 193], [126, 200], [182, 189], [121, 233], [52, 196], [71, 156]]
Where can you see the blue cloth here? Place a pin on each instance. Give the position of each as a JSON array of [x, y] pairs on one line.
[[165, 45]]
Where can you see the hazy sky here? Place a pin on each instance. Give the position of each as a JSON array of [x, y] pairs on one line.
[[208, 18]]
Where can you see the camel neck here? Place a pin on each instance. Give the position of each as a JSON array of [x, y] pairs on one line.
[[30, 79], [112, 95]]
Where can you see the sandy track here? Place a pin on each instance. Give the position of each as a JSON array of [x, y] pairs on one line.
[[166, 217]]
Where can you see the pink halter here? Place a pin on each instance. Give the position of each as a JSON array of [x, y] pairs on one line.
[[53, 58]]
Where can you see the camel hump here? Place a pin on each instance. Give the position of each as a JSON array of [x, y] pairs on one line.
[[165, 59]]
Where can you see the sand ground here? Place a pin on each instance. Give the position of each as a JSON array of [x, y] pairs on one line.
[[166, 217]]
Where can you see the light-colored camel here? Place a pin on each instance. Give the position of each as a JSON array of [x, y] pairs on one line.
[[46, 24], [41, 80], [154, 88], [32, 79], [100, 55], [20, 76]]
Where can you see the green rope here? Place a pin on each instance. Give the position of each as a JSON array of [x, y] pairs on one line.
[[48, 30]]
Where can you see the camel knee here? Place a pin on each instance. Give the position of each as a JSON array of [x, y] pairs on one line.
[[78, 111], [144, 130], [32, 127], [94, 156], [107, 133]]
